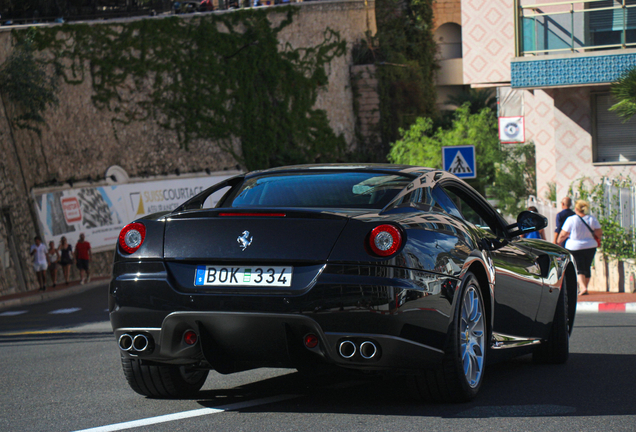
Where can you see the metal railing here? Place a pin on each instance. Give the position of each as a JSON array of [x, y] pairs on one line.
[[574, 26]]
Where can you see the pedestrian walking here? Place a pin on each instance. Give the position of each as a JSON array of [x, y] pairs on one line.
[[83, 257], [66, 257], [565, 213], [52, 256], [583, 232], [38, 252]]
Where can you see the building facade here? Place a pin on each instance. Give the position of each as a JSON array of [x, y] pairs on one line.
[[553, 64], [563, 59]]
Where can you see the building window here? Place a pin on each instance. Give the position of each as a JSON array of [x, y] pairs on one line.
[[613, 137]]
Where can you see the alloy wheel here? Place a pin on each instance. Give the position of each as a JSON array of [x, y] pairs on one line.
[[472, 339]]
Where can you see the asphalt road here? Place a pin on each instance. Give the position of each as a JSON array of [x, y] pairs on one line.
[[61, 372]]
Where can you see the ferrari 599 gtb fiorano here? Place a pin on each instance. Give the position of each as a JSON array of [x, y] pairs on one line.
[[377, 268]]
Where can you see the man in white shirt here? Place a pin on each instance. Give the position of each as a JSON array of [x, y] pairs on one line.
[[38, 251]]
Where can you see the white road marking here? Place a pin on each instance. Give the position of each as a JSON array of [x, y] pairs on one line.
[[65, 311], [188, 414], [12, 313]]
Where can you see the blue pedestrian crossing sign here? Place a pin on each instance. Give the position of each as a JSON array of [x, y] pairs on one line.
[[460, 160]]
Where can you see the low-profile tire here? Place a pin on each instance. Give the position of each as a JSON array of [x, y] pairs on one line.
[[556, 348], [461, 373], [163, 381]]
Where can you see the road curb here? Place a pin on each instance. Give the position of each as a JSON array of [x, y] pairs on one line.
[[595, 307], [44, 296]]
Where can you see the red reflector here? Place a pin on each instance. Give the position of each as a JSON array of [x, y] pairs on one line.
[[311, 341], [253, 214], [190, 337], [385, 240]]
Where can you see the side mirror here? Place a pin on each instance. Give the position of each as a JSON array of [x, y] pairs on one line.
[[527, 222]]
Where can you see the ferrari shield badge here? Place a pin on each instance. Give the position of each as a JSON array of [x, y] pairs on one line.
[[244, 240]]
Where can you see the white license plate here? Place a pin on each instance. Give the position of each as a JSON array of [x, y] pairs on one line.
[[243, 276]]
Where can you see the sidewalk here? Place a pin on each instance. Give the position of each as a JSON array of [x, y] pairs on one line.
[[595, 301], [61, 290]]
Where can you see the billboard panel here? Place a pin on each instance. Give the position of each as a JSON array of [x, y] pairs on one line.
[[101, 211]]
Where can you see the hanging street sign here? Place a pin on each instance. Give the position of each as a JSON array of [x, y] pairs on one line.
[[460, 160], [511, 130]]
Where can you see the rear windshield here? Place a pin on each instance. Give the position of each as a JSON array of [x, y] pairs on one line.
[[332, 190]]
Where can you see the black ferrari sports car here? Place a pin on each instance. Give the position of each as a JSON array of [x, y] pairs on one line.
[[375, 268]]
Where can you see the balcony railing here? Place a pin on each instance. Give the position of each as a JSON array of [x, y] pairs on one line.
[[574, 26]]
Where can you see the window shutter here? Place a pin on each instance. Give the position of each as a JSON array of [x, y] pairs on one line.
[[615, 139]]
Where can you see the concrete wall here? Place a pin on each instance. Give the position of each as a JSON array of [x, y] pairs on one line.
[[79, 141], [446, 11]]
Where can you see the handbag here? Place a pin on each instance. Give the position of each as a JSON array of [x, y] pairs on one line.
[[598, 240]]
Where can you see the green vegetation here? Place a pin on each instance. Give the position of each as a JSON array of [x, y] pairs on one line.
[[219, 78], [507, 175], [551, 193], [403, 51], [625, 92], [26, 84]]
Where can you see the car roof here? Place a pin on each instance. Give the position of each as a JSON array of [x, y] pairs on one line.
[[345, 167]]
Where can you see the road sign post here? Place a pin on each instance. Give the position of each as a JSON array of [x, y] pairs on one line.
[[460, 160]]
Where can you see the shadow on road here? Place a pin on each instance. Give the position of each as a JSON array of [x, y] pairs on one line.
[[590, 384]]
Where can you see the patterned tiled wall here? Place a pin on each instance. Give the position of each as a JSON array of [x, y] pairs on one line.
[[487, 40], [559, 122], [571, 70]]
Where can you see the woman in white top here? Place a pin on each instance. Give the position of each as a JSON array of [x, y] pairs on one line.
[[52, 256], [582, 231]]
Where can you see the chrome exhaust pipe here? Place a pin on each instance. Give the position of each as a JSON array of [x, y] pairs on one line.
[[347, 349], [140, 343], [368, 350], [125, 342]]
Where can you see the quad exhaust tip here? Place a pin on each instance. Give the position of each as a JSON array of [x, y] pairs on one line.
[[125, 342], [347, 349], [137, 343], [140, 343], [368, 350]]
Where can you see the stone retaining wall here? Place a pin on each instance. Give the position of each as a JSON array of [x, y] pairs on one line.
[[79, 141]]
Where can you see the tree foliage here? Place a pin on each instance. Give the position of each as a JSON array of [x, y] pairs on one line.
[[478, 99], [515, 178], [216, 77], [624, 90], [27, 85], [507, 175], [406, 66], [421, 145]]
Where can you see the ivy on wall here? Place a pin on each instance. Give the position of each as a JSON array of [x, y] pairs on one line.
[[26, 84], [215, 77]]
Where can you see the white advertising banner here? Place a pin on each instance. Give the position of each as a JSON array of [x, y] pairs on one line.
[[100, 212]]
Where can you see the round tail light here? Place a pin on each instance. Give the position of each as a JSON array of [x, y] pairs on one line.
[[132, 237], [385, 240]]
